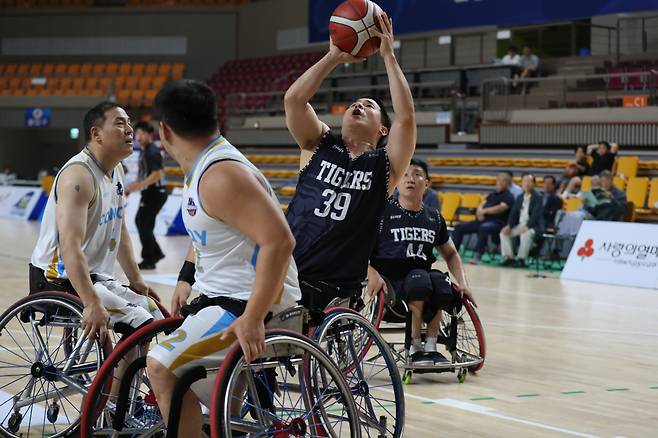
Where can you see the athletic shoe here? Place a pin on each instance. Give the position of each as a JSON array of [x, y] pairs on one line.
[[146, 266], [519, 263], [437, 357], [508, 262], [421, 358]]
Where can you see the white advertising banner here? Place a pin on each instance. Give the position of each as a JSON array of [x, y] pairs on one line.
[[163, 220], [18, 202], [622, 253]]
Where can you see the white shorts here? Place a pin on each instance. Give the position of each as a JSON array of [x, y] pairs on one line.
[[197, 342], [124, 305]]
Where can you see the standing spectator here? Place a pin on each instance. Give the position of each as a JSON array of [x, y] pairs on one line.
[[525, 220], [603, 156], [491, 216], [512, 57], [610, 202], [551, 203], [150, 180], [514, 188]]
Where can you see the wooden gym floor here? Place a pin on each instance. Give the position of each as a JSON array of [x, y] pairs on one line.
[[564, 358]]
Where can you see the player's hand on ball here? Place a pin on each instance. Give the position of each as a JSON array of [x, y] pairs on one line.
[[341, 57], [386, 35]]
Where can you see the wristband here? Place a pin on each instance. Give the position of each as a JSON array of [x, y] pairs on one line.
[[187, 272]]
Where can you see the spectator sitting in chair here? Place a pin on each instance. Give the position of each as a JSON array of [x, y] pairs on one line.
[[550, 201], [576, 168], [605, 203], [526, 220], [404, 254], [514, 188], [491, 216], [512, 57], [529, 63], [603, 156]]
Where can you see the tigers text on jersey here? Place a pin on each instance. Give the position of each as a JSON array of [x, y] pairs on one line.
[[335, 210], [104, 220], [225, 258], [407, 239]]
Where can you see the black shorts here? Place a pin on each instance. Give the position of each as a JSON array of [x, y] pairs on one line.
[[432, 288], [316, 295]]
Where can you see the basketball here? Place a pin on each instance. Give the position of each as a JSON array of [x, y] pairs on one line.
[[351, 26]]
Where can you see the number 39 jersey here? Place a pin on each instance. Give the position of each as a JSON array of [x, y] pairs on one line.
[[335, 212], [407, 239]]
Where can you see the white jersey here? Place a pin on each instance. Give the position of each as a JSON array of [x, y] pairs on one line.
[[225, 258], [104, 219]]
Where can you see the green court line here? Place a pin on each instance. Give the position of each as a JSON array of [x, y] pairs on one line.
[[653, 387], [572, 392], [528, 395], [428, 402], [617, 389], [482, 398]]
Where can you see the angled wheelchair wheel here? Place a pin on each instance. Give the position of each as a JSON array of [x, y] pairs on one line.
[[293, 389], [373, 309], [369, 368], [465, 331], [125, 405], [47, 365]]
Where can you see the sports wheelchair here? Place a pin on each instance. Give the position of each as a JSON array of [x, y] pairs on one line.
[[292, 389], [460, 331], [48, 364]]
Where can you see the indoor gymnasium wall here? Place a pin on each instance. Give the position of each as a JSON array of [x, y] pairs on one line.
[[206, 38]]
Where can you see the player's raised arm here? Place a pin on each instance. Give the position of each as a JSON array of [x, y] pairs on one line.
[[303, 124], [402, 137]]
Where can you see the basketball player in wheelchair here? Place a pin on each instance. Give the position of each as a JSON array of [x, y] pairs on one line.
[[401, 268]]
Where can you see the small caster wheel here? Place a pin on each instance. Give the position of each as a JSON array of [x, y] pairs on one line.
[[52, 413], [14, 422], [406, 378], [461, 375]]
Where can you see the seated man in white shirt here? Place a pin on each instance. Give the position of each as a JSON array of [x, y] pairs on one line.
[[512, 57], [526, 220]]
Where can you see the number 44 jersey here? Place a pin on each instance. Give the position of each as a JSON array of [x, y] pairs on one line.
[[335, 212]]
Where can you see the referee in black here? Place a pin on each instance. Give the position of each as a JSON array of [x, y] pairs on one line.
[[150, 180]]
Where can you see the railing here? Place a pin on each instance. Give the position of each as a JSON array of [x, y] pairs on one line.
[[499, 96]]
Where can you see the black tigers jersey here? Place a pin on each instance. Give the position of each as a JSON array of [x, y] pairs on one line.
[[335, 212], [407, 239]]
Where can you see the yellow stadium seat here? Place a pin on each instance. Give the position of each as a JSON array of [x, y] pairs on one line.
[[572, 204], [469, 203], [287, 191], [636, 192], [652, 203], [449, 206], [619, 182], [47, 183], [586, 184], [627, 166]]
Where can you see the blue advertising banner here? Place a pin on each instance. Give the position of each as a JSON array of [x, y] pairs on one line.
[[37, 117], [426, 15]]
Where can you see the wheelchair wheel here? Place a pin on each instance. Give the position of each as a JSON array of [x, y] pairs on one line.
[[132, 410], [47, 365], [276, 395], [369, 368], [373, 310], [470, 341]]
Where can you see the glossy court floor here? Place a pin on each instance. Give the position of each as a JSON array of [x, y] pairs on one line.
[[564, 358]]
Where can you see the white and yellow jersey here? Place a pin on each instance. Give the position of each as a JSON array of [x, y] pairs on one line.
[[104, 219], [225, 258]]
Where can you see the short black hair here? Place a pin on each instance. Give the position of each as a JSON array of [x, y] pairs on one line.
[[189, 107], [512, 49], [526, 46], [551, 177], [144, 126], [524, 174], [508, 172], [422, 164], [95, 117], [606, 144]]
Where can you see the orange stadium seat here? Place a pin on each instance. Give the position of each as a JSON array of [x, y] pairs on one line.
[[136, 98], [149, 97], [151, 69], [51, 84], [124, 69], [177, 71], [60, 69], [98, 69], [104, 84], [73, 70], [23, 69], [144, 82], [86, 69], [123, 96], [10, 70], [138, 69], [78, 84], [48, 70], [131, 82], [158, 82], [164, 70], [26, 83], [111, 69], [2, 69], [35, 70]]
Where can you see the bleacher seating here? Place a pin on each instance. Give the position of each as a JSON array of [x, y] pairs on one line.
[[135, 85]]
